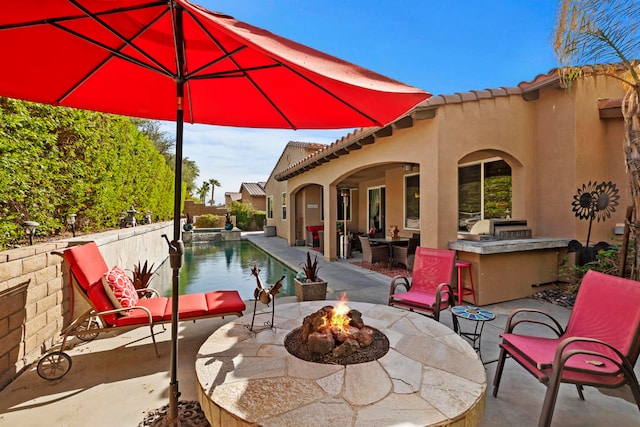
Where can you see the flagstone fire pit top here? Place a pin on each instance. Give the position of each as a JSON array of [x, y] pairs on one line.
[[429, 376]]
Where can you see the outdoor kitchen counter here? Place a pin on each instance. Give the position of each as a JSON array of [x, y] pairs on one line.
[[430, 376], [505, 270]]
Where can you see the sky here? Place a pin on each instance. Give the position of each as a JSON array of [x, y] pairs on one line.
[[442, 47]]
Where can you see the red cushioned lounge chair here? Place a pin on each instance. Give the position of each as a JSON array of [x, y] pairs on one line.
[[87, 269], [598, 348], [429, 291]]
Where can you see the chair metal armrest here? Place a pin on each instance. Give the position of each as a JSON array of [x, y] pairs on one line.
[[512, 322], [123, 309], [563, 354], [440, 290], [399, 280]]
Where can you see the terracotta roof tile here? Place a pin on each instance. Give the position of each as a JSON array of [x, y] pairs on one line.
[[331, 151]]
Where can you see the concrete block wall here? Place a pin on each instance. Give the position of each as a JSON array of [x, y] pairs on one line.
[[33, 301], [195, 209], [35, 297]]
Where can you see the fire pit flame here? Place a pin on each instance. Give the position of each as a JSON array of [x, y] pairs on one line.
[[336, 335], [338, 318]]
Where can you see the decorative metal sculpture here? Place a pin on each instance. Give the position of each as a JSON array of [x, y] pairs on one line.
[[594, 201], [265, 296]]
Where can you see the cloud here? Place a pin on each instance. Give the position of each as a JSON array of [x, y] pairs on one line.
[[237, 155]]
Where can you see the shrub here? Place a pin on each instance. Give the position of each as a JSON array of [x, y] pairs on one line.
[[260, 217], [209, 221], [607, 261], [244, 214], [55, 161]]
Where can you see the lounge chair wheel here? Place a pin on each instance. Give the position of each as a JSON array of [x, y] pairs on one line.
[[87, 325], [54, 365]]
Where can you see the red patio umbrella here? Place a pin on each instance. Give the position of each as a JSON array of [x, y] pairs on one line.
[[173, 60]]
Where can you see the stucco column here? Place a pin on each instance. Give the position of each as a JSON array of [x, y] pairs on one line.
[[430, 202], [330, 196], [291, 217]]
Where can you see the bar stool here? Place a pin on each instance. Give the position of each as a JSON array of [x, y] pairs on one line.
[[462, 291]]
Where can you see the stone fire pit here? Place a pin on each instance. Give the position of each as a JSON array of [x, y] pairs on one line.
[[429, 375], [336, 335]]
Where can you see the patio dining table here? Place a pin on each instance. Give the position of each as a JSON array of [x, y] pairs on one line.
[[401, 241]]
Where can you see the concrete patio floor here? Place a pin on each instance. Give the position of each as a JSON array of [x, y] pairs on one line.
[[116, 380]]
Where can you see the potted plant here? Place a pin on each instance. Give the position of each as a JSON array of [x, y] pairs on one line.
[[308, 286], [142, 275]]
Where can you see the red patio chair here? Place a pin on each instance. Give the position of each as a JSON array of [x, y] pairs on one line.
[[429, 291], [598, 348], [87, 270]]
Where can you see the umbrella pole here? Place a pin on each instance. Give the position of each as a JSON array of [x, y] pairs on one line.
[[176, 248], [176, 251]]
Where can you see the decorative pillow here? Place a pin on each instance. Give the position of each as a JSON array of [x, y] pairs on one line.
[[120, 288]]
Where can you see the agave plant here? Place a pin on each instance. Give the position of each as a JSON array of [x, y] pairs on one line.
[[311, 269], [142, 275]]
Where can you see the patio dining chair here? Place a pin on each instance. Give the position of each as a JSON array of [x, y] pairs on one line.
[[599, 347], [405, 254], [429, 290], [373, 253]]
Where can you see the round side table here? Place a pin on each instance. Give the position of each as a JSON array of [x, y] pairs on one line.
[[474, 314]]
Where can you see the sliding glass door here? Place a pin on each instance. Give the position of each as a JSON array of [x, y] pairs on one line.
[[376, 206]]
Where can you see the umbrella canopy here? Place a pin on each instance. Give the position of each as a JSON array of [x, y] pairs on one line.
[[123, 57], [173, 60]]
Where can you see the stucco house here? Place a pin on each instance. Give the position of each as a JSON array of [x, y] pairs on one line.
[[250, 192], [430, 172], [277, 191], [230, 197]]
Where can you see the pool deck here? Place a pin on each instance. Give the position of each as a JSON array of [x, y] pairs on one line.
[[116, 381]]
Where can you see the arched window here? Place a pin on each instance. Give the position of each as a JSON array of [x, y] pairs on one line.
[[484, 192]]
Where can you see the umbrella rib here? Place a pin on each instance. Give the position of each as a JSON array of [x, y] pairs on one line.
[[112, 51], [226, 55], [215, 61], [334, 96], [240, 70], [76, 17], [277, 63], [126, 41]]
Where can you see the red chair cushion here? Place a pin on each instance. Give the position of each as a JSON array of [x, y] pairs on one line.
[[86, 263], [540, 352], [157, 306], [191, 305], [101, 301], [220, 302]]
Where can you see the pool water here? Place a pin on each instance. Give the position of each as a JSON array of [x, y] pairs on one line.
[[210, 266]]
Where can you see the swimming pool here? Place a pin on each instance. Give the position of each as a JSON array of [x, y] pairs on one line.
[[210, 266]]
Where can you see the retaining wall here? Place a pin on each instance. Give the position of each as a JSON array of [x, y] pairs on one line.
[[34, 289]]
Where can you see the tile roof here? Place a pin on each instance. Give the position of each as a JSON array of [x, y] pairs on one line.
[[254, 189], [307, 145], [234, 197], [360, 137]]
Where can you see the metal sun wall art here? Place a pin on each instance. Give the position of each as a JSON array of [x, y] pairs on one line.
[[594, 201]]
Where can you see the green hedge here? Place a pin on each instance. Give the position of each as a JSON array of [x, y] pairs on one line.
[[55, 161]]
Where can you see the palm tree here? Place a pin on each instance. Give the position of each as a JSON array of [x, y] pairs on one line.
[[214, 183], [203, 191], [607, 31]]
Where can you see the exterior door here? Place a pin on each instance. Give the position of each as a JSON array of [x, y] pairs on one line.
[[376, 208]]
